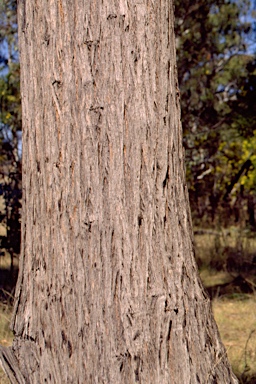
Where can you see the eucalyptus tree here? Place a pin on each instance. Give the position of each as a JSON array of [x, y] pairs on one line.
[[108, 289]]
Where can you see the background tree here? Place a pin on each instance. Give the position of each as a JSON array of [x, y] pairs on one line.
[[217, 80], [10, 129], [108, 289]]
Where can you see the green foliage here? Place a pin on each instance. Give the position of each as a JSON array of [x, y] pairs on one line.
[[218, 85], [10, 114], [10, 128]]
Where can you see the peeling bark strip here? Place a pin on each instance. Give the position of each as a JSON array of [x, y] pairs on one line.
[[108, 290]]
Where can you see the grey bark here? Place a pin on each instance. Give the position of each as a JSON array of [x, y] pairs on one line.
[[108, 290]]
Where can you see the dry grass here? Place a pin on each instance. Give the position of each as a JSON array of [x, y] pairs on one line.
[[5, 261], [214, 248], [236, 320], [2, 230], [210, 277], [235, 314], [5, 334]]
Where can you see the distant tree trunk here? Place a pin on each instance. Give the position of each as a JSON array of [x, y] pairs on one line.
[[108, 290]]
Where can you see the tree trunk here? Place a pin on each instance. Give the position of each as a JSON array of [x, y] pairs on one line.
[[108, 289]]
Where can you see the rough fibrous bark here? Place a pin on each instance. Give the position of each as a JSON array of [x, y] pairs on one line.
[[108, 289]]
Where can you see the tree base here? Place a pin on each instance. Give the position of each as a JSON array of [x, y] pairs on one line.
[[10, 366]]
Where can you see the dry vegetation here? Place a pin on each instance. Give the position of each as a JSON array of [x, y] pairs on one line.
[[5, 333], [6, 291], [228, 270], [234, 310], [236, 320]]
